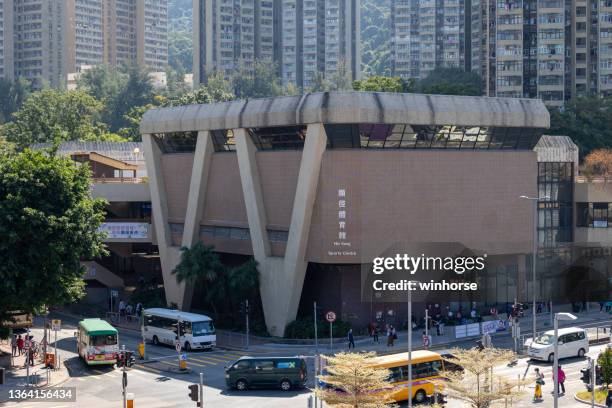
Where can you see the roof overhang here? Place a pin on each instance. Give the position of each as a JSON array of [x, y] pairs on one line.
[[350, 107]]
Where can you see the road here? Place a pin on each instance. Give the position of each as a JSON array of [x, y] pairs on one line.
[[154, 385], [158, 384]]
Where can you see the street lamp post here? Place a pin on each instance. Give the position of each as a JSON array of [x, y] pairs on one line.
[[535, 201], [410, 286], [558, 316]]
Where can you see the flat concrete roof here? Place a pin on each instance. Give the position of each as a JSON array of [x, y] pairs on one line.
[[349, 107]]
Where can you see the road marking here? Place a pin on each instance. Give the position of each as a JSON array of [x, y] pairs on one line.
[[149, 369], [206, 361], [220, 360]]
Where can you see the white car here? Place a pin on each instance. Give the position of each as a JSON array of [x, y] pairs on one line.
[[573, 342]]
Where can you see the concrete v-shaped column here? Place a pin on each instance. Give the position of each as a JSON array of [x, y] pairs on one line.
[[169, 255], [281, 278], [195, 201]]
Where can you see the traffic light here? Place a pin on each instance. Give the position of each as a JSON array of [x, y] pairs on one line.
[[128, 359], [586, 375], [193, 392]]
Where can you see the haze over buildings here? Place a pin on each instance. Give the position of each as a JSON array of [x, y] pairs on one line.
[[53, 39], [303, 38]]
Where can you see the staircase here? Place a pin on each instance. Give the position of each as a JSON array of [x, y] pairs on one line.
[[95, 271]]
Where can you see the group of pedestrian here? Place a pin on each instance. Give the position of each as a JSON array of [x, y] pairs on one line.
[[539, 382], [17, 345], [127, 311]]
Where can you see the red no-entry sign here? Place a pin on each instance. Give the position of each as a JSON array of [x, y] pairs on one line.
[[330, 316]]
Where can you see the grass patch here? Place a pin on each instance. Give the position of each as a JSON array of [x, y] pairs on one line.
[[600, 395]]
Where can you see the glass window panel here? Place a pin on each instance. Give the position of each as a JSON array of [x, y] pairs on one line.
[[582, 214], [392, 144], [497, 138], [482, 142]]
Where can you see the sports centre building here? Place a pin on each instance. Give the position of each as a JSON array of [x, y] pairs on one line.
[[316, 186]]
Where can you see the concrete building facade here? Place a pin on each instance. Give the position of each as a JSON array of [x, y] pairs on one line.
[[303, 38], [229, 34], [55, 39], [430, 34], [331, 180], [6, 39]]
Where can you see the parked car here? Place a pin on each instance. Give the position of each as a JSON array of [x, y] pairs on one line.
[[573, 342], [266, 372]]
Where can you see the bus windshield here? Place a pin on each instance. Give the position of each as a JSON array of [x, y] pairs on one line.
[[203, 328], [103, 340]]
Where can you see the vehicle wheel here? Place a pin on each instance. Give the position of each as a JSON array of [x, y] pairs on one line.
[[155, 341], [187, 346], [581, 353], [420, 396], [551, 358], [285, 385], [241, 385]]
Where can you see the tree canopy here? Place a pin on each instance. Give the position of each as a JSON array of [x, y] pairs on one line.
[[52, 116], [450, 81], [48, 224], [588, 121], [381, 84], [12, 96]]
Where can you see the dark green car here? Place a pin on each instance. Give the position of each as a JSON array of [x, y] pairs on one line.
[[266, 372]]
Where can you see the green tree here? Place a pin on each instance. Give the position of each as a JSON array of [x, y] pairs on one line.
[[137, 91], [54, 115], [48, 224], [217, 89], [224, 288], [180, 49], [12, 96], [381, 84], [375, 37], [588, 121], [259, 81], [605, 362], [101, 82], [450, 81], [363, 385]]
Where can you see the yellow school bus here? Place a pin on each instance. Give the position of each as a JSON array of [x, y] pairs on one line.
[[426, 366]]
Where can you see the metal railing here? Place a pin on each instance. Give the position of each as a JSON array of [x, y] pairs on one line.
[[132, 180]]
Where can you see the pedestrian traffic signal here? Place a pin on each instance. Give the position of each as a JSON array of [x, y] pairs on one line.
[[193, 392]]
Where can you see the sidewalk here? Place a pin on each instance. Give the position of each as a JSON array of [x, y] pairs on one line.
[[445, 341], [16, 375]]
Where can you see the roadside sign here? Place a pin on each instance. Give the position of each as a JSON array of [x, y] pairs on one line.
[[184, 357], [177, 346], [114, 293], [56, 325], [330, 316]]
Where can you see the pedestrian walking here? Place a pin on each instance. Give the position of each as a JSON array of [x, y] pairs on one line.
[[31, 354], [609, 399], [539, 382], [20, 345], [121, 308], [373, 332], [128, 311], [351, 339], [561, 379], [376, 332], [14, 345], [138, 309], [391, 335]]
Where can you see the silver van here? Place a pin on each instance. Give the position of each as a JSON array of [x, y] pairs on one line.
[[573, 342]]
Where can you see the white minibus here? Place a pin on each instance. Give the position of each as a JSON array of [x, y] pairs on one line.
[[159, 326]]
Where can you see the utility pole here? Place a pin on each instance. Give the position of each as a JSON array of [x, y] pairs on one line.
[[410, 346], [124, 377], [246, 309], [316, 334], [593, 380], [201, 389]]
